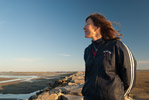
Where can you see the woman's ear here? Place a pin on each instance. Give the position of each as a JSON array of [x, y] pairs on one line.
[[98, 29]]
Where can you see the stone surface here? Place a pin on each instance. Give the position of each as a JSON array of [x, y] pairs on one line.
[[33, 97], [70, 97], [68, 88], [47, 96]]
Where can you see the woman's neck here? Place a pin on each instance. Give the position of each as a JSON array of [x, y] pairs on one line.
[[96, 38]]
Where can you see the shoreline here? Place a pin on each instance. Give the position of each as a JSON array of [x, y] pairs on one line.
[[70, 88], [70, 85], [26, 87]]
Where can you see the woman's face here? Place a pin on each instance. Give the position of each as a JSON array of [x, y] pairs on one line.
[[90, 29]]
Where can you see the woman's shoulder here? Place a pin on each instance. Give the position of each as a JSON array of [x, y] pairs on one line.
[[114, 41], [119, 44], [88, 47]]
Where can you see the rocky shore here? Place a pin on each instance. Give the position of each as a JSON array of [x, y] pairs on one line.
[[68, 88]]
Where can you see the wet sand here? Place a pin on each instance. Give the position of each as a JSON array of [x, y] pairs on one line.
[[25, 87], [4, 79], [141, 88]]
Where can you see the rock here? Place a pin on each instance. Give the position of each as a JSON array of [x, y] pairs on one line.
[[63, 90], [68, 88], [70, 97], [79, 81], [78, 78], [33, 97], [47, 96], [70, 84], [72, 89], [56, 90]]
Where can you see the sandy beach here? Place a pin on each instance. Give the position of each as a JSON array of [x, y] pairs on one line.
[[141, 88]]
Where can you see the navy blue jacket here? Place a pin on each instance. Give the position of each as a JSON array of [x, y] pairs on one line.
[[110, 72]]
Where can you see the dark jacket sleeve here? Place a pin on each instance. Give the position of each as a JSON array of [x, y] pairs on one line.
[[126, 66]]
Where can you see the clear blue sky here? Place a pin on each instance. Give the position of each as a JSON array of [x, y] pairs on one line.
[[47, 35]]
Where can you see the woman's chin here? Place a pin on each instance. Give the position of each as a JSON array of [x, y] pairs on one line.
[[87, 36]]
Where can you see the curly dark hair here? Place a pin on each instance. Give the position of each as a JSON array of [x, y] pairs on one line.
[[107, 30]]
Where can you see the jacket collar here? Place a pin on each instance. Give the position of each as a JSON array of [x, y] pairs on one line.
[[99, 41]]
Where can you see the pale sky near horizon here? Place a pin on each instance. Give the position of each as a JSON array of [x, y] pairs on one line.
[[47, 35]]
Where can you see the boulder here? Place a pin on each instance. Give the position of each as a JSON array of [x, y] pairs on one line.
[[47, 96], [68, 88], [34, 97], [70, 97]]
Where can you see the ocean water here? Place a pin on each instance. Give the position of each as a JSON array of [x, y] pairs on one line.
[[21, 79], [20, 96], [17, 78]]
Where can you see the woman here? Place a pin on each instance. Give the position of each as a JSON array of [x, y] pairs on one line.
[[110, 67]]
